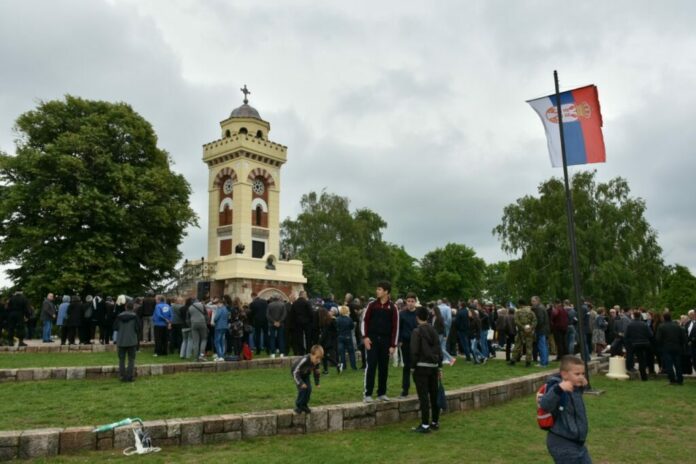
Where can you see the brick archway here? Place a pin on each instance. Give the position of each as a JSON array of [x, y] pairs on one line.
[[224, 173], [260, 172]]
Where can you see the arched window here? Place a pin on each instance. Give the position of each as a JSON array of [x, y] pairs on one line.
[[228, 134], [259, 215], [259, 134], [243, 130]]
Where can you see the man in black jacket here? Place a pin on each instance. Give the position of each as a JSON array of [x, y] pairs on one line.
[[258, 308], [671, 338], [17, 314], [301, 316], [426, 358], [638, 340], [147, 332]]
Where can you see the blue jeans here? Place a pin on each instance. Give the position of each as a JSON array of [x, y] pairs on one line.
[[278, 332], [483, 338], [571, 339], [446, 357], [543, 348], [303, 394], [47, 326], [220, 344], [477, 355], [464, 341], [346, 343]]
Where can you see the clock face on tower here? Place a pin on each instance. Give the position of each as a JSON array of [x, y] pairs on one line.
[[227, 187], [258, 187]]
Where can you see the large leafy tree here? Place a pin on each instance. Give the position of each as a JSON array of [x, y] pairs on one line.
[[344, 251], [678, 291], [497, 284], [619, 257], [454, 272], [89, 203]]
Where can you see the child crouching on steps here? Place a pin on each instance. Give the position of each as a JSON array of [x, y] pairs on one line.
[[563, 399], [301, 369]]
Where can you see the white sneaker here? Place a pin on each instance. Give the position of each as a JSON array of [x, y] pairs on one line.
[[282, 355], [368, 399], [273, 356], [383, 398]]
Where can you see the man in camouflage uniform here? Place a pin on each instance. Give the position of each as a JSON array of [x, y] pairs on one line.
[[526, 322]]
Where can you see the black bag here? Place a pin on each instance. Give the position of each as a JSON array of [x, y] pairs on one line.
[[441, 397], [687, 367]]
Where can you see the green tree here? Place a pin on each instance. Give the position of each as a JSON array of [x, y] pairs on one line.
[[343, 251], [678, 289], [454, 272], [619, 257], [89, 202], [497, 284]]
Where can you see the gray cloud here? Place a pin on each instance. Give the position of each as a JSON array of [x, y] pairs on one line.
[[416, 113]]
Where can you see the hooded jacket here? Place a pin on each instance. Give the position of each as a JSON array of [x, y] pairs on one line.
[[63, 310], [197, 315], [568, 409], [128, 327], [425, 347]]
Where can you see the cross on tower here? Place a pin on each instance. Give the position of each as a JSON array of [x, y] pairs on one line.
[[246, 93]]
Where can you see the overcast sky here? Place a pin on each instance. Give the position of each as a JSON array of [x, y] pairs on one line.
[[414, 110]]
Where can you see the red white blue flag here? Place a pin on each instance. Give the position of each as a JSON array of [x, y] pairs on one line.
[[582, 126]]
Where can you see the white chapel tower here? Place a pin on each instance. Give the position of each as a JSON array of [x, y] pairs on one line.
[[243, 210]]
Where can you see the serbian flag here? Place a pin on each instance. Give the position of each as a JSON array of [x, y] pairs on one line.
[[582, 126]]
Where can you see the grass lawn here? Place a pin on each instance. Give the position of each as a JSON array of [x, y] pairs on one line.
[[62, 403], [633, 422], [19, 360]]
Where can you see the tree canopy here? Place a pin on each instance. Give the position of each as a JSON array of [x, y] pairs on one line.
[[678, 291], [344, 251], [89, 202], [619, 257], [454, 272]]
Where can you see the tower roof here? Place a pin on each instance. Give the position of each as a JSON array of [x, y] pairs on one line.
[[245, 111]]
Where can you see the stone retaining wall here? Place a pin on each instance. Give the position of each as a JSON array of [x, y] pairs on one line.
[[230, 427], [103, 372]]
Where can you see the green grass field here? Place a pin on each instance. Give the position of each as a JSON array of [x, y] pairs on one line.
[[633, 422], [18, 360], [62, 403]]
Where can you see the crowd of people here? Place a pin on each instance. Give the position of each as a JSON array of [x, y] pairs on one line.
[[220, 327]]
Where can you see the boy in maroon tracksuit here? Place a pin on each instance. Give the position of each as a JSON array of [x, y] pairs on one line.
[[380, 329]]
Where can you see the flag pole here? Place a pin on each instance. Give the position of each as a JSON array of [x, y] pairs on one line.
[[571, 238]]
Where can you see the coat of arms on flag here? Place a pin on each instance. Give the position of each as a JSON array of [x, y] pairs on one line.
[[582, 126]]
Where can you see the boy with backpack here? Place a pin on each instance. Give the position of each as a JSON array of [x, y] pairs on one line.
[[561, 411]]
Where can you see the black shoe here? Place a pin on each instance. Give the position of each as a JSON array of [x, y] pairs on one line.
[[298, 411], [22, 344], [325, 372], [435, 426], [527, 364], [511, 363], [421, 429], [306, 409]]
